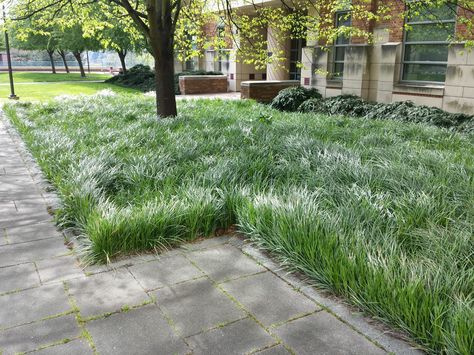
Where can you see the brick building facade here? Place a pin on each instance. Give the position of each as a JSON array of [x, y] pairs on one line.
[[398, 65]]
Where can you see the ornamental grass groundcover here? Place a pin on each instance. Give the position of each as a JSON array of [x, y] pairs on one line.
[[380, 212]]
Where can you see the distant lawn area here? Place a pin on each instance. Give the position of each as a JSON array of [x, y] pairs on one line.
[[28, 77], [379, 212], [46, 86]]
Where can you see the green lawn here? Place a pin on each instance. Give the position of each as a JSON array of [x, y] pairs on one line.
[[48, 91], [27, 77], [46, 86], [377, 211]]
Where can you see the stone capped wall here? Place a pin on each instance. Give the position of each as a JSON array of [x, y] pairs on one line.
[[202, 84], [264, 91]]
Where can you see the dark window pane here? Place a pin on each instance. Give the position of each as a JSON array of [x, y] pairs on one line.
[[338, 70], [426, 52], [429, 32], [339, 53], [421, 12], [342, 40], [343, 19], [424, 72], [293, 67], [294, 55]]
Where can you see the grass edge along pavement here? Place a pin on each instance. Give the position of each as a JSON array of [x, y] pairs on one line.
[[379, 212]]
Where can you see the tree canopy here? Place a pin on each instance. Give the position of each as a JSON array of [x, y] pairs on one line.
[[170, 27]]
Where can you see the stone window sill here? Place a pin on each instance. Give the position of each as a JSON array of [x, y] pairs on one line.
[[419, 89]]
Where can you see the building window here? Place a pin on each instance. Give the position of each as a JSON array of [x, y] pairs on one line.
[[296, 49], [223, 61], [425, 45], [343, 19]]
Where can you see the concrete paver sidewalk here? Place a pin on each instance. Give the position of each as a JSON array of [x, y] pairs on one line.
[[218, 296]]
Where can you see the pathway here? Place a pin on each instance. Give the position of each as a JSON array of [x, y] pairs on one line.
[[218, 296]]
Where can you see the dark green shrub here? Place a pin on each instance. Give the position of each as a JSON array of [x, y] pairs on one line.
[[291, 98], [407, 111], [314, 105], [139, 77], [347, 105]]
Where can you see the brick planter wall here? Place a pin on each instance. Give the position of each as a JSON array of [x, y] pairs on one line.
[[202, 84], [264, 91]]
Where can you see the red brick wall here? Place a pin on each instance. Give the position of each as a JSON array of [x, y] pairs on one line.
[[202, 84], [462, 31], [263, 92], [362, 22], [395, 21]]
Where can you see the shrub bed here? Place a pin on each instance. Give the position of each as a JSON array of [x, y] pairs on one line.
[[291, 98], [378, 212], [353, 106], [142, 78]]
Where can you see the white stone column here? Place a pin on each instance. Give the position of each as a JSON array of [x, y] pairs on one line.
[[356, 78], [278, 45]]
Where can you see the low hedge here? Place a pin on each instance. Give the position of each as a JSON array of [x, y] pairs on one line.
[[354, 106], [142, 77], [139, 77], [291, 98]]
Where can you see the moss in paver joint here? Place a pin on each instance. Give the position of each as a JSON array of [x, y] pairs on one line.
[[123, 309], [298, 316], [80, 320], [59, 342], [299, 290], [88, 337]]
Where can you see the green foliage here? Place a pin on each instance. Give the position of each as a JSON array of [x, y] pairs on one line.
[[401, 111], [291, 98], [377, 211]]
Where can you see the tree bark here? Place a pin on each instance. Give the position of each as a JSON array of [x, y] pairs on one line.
[[122, 54], [78, 57], [63, 57], [164, 77], [51, 59], [161, 37]]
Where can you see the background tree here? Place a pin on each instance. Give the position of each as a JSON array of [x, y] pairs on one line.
[[160, 20], [72, 39], [39, 40], [114, 33]]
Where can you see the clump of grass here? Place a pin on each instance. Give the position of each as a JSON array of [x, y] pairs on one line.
[[380, 212]]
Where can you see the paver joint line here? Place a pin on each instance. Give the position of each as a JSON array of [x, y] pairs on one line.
[[218, 295]]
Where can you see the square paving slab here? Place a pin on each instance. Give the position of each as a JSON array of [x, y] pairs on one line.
[[196, 305], [35, 335], [138, 331], [269, 298], [241, 337], [168, 270], [224, 262], [34, 304], [59, 269], [106, 292], [18, 277], [322, 333], [32, 232], [14, 254]]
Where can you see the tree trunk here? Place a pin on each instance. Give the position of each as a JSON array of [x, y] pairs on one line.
[[164, 76], [51, 59], [78, 57], [63, 57], [122, 54]]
